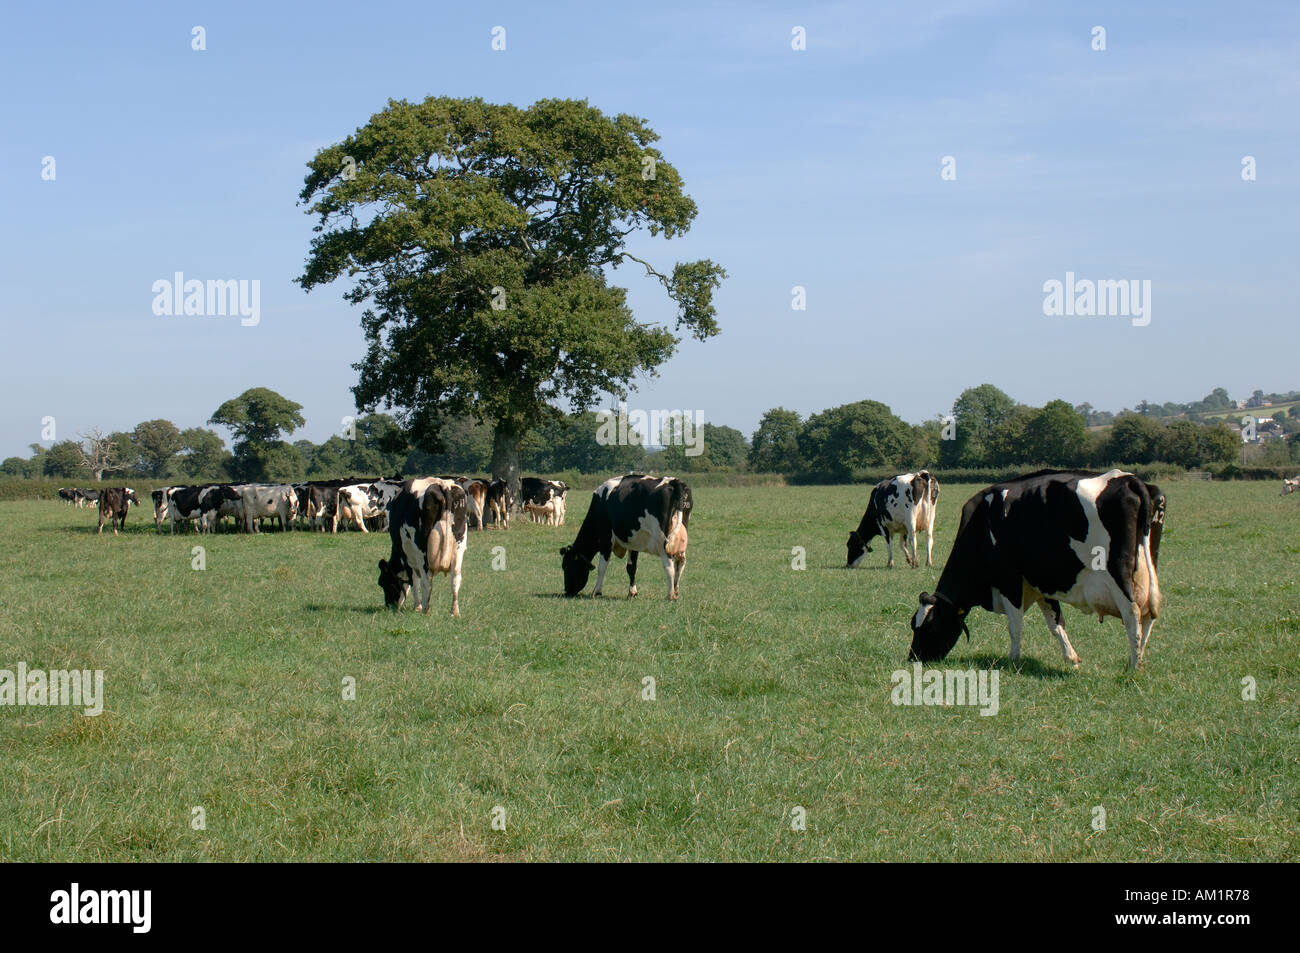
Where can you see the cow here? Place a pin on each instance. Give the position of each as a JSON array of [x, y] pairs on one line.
[[193, 504], [68, 496], [322, 505], [86, 496], [540, 492], [428, 526], [113, 506], [1090, 540], [160, 505], [475, 501], [498, 503], [543, 512], [1288, 486], [629, 515], [354, 504], [277, 501], [382, 493], [903, 505]]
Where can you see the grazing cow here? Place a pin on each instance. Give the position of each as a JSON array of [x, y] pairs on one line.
[[498, 503], [1288, 486], [86, 496], [903, 505], [628, 515], [113, 506], [1089, 540], [68, 496], [429, 529], [277, 501]]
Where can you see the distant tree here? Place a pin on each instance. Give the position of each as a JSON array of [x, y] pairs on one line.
[[257, 418], [775, 446], [202, 452], [102, 453], [14, 467], [572, 442], [1008, 442], [1056, 435], [156, 444], [854, 436], [64, 459], [1181, 443], [976, 411], [927, 438], [1134, 439], [1219, 444]]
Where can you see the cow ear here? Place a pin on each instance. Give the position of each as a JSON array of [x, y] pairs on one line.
[[383, 565], [564, 550], [924, 596]]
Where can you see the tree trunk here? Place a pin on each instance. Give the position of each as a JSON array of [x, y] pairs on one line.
[[505, 456]]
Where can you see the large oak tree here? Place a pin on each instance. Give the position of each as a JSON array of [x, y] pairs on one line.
[[478, 237]]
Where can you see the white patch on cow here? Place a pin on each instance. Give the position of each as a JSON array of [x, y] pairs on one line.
[[922, 614]]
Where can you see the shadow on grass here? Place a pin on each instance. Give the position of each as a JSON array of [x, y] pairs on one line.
[[364, 610], [1026, 666]]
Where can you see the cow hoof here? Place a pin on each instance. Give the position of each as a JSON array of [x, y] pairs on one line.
[[631, 593]]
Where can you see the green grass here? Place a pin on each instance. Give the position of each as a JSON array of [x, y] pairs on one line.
[[773, 690]]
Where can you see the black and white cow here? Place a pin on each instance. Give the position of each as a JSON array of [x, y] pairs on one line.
[[1288, 486], [629, 515], [196, 504], [86, 497], [68, 496], [904, 505], [160, 498], [538, 492], [429, 529], [1086, 539], [114, 502], [499, 502]]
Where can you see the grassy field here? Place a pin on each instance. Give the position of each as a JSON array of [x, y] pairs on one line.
[[224, 691]]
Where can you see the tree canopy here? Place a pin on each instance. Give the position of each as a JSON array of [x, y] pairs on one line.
[[477, 236]]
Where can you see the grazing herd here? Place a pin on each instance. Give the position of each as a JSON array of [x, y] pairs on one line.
[[1055, 536]]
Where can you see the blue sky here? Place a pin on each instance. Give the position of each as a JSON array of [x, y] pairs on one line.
[[819, 168]]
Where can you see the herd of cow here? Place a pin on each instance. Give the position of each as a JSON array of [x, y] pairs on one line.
[[318, 504], [1090, 540]]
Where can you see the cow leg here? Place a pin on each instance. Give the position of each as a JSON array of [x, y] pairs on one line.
[[602, 563], [1052, 614], [455, 580], [929, 545], [679, 566], [889, 548], [631, 574], [1015, 621], [909, 549], [1148, 622]]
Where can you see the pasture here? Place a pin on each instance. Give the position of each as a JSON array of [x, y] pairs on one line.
[[224, 691]]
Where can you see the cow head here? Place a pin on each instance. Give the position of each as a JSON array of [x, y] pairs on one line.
[[577, 569], [131, 497], [858, 547], [936, 627], [394, 580]]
